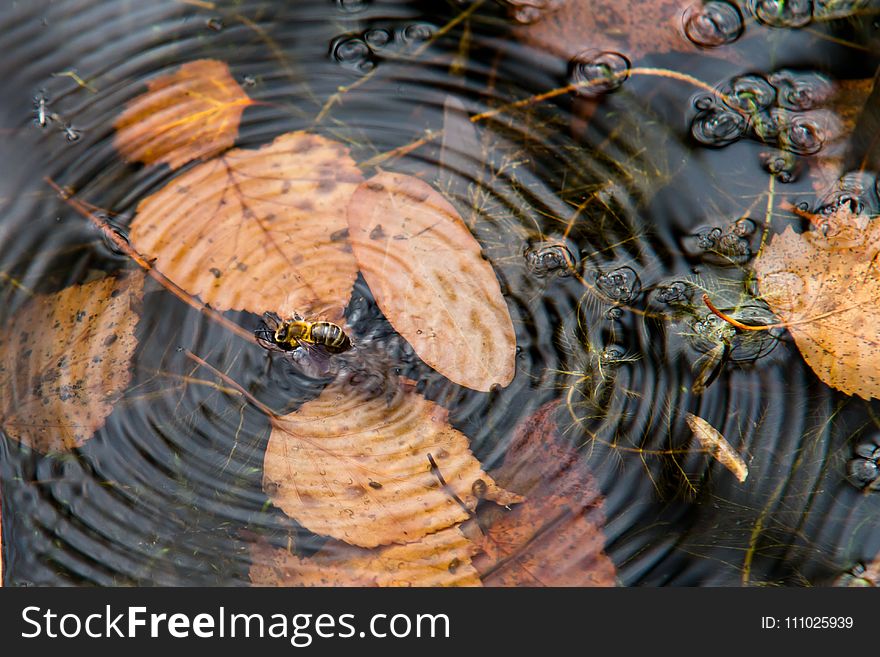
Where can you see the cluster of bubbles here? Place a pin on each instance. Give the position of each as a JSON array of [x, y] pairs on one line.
[[798, 13], [712, 24], [780, 109], [551, 257], [863, 469], [362, 52], [724, 245], [352, 6], [621, 285], [594, 73]]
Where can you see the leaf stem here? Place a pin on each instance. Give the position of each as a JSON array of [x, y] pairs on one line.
[[232, 383], [734, 322]]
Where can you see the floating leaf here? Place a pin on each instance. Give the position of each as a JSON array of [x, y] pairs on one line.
[[64, 361], [555, 537], [824, 285], [441, 559], [716, 445], [258, 230], [356, 467], [428, 276], [186, 115], [633, 27]]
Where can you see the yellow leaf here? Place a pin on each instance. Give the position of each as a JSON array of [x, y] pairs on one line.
[[716, 445], [189, 114]]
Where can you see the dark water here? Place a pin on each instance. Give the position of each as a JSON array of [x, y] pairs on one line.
[[658, 194]]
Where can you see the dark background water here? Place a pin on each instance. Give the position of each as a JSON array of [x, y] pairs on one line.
[[168, 490]]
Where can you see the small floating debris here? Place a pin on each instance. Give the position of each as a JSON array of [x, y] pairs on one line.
[[715, 444]]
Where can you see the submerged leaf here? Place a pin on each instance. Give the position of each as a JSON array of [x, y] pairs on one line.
[[441, 559], [258, 230], [555, 537], [825, 286], [356, 467], [632, 27], [428, 276], [65, 360], [716, 445], [186, 115]]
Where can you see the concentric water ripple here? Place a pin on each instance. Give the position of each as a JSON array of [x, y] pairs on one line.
[[604, 215]]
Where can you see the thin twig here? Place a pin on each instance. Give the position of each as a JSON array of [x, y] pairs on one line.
[[123, 245]]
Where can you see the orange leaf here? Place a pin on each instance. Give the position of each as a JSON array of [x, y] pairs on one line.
[[64, 361], [258, 230], [826, 289], [428, 276], [355, 467], [441, 559], [186, 115], [631, 27], [555, 537]]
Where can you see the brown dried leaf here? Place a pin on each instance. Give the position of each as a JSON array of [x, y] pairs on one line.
[[716, 445], [837, 122], [186, 115], [258, 230], [441, 559], [428, 276], [64, 361], [826, 289], [555, 537], [634, 28], [355, 467]]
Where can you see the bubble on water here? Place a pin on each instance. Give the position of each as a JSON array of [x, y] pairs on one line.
[[621, 285], [744, 227], [782, 13], [597, 73], [863, 469], [749, 93], [718, 127], [550, 257], [352, 6], [713, 24], [612, 355], [526, 15], [675, 293], [353, 53], [801, 134], [801, 91], [417, 32], [378, 38]]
